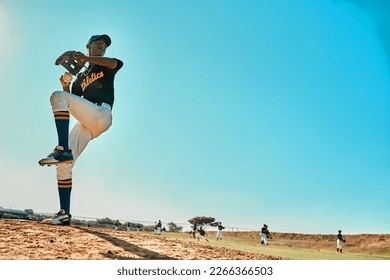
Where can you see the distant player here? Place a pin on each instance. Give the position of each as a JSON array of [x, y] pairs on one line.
[[201, 234], [340, 241], [194, 229], [265, 235], [117, 224], [219, 231], [158, 228]]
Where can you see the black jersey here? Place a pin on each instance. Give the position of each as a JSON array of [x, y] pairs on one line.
[[96, 83], [339, 236]]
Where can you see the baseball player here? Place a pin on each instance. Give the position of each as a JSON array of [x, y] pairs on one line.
[[264, 235], [117, 224], [340, 241], [158, 228], [89, 100], [219, 231], [201, 234], [194, 230]]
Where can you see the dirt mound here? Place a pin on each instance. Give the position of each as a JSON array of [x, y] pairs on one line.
[[37, 241]]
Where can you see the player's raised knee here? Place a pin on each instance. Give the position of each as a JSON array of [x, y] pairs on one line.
[[57, 95], [58, 101]]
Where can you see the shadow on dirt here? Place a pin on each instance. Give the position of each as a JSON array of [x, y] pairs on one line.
[[134, 249]]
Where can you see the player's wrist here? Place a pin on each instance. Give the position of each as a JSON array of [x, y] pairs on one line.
[[84, 58], [80, 56]]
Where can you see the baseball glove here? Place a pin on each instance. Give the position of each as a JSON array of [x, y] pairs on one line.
[[71, 61]]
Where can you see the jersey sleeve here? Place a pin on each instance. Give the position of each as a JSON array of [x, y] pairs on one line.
[[119, 64]]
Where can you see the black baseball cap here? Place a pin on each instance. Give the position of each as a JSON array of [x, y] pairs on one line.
[[104, 37]]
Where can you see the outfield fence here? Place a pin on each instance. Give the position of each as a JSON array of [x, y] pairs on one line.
[[187, 227]]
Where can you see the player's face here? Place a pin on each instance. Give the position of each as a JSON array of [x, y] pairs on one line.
[[97, 48]]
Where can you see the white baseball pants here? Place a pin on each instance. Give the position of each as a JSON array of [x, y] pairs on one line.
[[92, 120], [339, 244], [264, 238]]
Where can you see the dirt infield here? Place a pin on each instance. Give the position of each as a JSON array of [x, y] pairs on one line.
[[37, 241]]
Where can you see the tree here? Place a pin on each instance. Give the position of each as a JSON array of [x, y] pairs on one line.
[[201, 220], [106, 221], [172, 227]]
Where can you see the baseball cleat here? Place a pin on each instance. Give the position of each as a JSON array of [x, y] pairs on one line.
[[59, 155], [61, 219]]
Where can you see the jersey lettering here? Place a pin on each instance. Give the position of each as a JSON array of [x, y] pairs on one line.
[[89, 80]]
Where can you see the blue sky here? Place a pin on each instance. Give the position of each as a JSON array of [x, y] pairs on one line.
[[251, 112]]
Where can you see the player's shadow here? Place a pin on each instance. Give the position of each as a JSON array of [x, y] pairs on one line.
[[134, 249]]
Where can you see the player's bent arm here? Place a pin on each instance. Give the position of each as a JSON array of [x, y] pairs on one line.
[[100, 60]]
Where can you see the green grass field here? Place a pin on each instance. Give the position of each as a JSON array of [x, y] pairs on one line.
[[281, 250], [299, 254]]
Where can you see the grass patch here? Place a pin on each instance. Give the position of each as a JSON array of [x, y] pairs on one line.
[[280, 249]]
